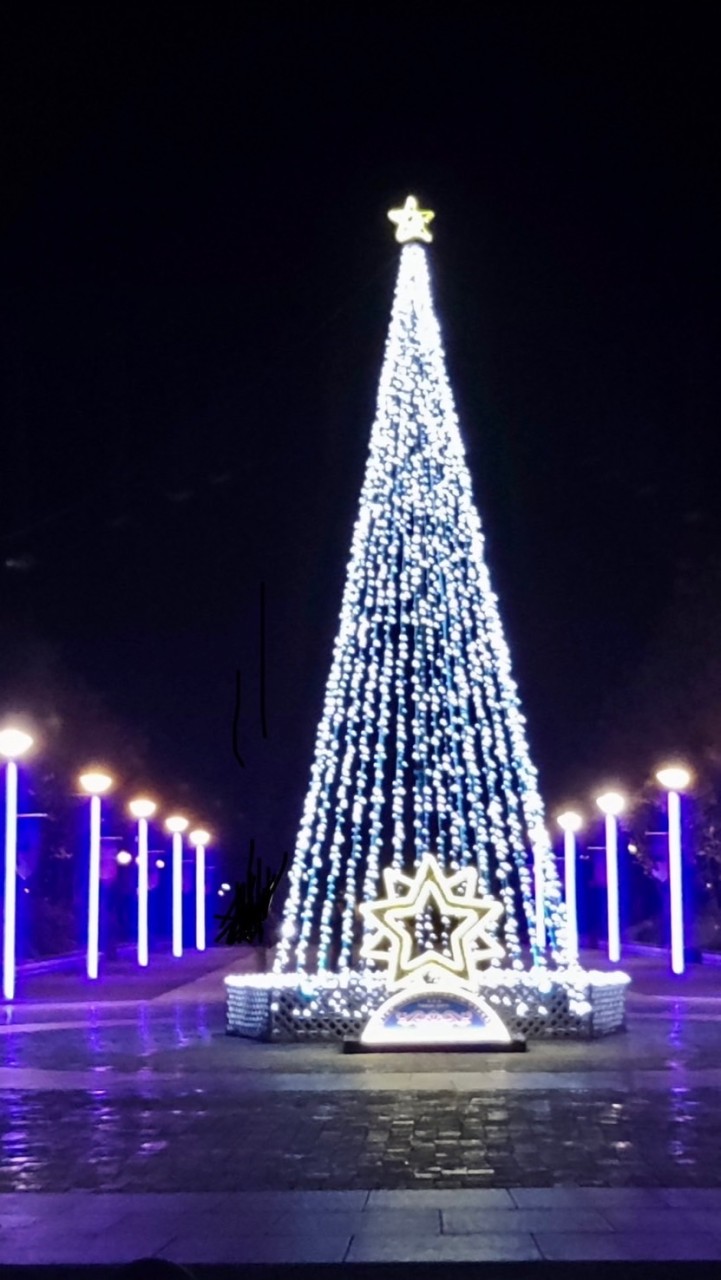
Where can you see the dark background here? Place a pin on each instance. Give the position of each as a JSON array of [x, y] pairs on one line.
[[196, 274]]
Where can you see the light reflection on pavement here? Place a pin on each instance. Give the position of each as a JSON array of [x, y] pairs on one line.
[[158, 1098]]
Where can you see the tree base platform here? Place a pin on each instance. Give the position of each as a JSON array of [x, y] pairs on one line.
[[533, 1004]]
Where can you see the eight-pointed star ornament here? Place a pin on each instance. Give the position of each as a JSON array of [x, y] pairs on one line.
[[411, 222], [453, 896]]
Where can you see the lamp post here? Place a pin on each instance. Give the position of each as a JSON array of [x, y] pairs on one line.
[[177, 825], [199, 839], [611, 804], [94, 784], [539, 841], [674, 778], [13, 744], [142, 809], [570, 823]]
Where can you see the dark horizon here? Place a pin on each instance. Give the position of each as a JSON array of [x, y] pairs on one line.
[[197, 276]]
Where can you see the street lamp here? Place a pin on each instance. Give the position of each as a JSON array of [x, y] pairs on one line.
[[611, 804], [539, 842], [95, 785], [199, 839], [13, 744], [142, 809], [675, 779], [177, 826], [570, 823]]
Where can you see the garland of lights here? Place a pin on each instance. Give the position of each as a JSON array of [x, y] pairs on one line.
[[421, 746]]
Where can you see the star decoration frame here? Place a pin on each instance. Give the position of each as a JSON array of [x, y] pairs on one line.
[[412, 222], [407, 898]]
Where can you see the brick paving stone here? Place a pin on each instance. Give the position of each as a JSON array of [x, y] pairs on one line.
[[639, 1198], [485, 1198], [639, 1110], [585, 1246], [666, 1221], [191, 1250], [498, 1248], [693, 1197], [469, 1221]]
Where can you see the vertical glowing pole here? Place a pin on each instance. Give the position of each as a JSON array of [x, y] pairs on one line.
[[142, 891], [142, 810], [569, 863], [199, 839], [177, 825], [177, 894], [611, 804], [570, 823], [94, 888], [675, 778], [11, 846], [13, 743], [675, 881], [614, 932], [540, 903], [94, 784], [200, 898]]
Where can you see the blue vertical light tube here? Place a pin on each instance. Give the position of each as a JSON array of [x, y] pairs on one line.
[[569, 869], [675, 882], [540, 903], [614, 932], [200, 897], [142, 891], [11, 860], [94, 888], [177, 893]]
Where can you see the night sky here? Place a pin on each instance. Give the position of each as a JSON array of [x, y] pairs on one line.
[[196, 280]]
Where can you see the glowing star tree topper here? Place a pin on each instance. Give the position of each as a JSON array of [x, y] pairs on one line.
[[421, 746], [412, 222], [408, 899]]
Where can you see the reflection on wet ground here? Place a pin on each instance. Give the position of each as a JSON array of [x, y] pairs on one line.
[[158, 1112], [187, 1038], [57, 1141]]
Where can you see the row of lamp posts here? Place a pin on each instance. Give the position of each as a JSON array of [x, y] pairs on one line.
[[14, 744], [674, 779]]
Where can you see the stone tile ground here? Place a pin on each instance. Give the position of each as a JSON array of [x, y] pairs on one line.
[[141, 1128], [154, 1140]]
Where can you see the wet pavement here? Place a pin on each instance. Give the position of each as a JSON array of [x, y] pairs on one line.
[[152, 1102], [155, 1097], [155, 1140]]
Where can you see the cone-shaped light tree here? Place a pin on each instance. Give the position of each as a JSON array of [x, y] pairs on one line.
[[421, 746]]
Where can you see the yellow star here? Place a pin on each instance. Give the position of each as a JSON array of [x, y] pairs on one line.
[[411, 222], [454, 897]]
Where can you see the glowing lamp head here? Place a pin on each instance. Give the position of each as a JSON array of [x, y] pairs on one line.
[[570, 821], [611, 803], [674, 777], [176, 824], [123, 858], [95, 783], [199, 838], [14, 743], [142, 808]]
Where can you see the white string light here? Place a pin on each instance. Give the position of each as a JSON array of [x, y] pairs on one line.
[[421, 746]]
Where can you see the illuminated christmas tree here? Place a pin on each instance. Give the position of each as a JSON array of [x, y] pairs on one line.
[[421, 747]]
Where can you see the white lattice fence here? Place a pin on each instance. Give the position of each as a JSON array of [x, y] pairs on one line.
[[536, 1005]]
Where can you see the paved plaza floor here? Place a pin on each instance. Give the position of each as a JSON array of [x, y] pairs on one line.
[[132, 1126]]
